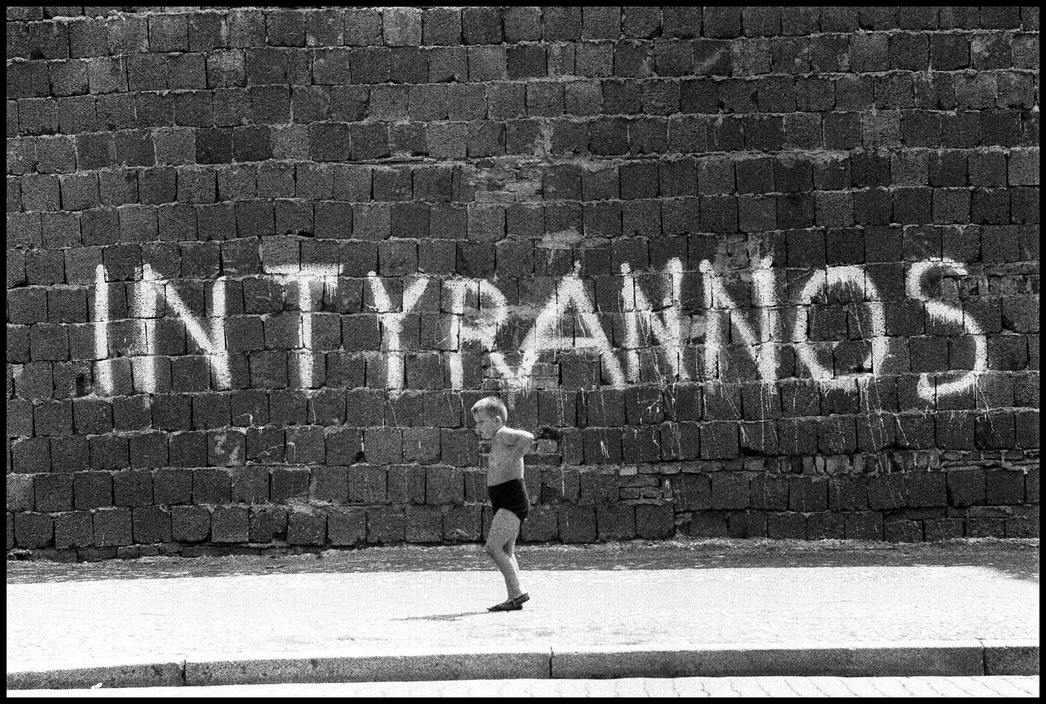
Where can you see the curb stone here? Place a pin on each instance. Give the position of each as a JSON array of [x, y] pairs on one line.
[[162, 674], [1011, 657], [904, 659], [405, 667], [953, 658]]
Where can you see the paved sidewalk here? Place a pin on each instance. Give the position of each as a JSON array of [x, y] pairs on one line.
[[628, 611], [622, 687]]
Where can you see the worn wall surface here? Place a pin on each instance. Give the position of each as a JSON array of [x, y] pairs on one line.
[[763, 271]]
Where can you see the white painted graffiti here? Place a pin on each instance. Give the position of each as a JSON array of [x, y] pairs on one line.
[[476, 310], [943, 311]]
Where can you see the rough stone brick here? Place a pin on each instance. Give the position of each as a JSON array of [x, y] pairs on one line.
[[985, 527], [761, 132], [1024, 205], [598, 487], [27, 79], [405, 484], [639, 180], [577, 524], [385, 524], [719, 440], [808, 494], [887, 492], [305, 445], [441, 26], [864, 525], [1022, 527], [914, 432], [995, 430], [769, 492], [901, 531], [70, 453], [250, 484], [329, 484], [151, 524], [747, 524], [631, 60], [20, 492], [786, 525], [730, 490], [109, 453], [289, 483], [346, 526], [458, 447], [927, 489], [848, 493], [133, 488], [112, 527], [1027, 428], [41, 193], [424, 524], [616, 522], [654, 521], [54, 492], [49, 342], [481, 25], [463, 523], [942, 528], [990, 206], [172, 486], [366, 484], [267, 523], [68, 77], [966, 487], [402, 26], [384, 446], [73, 530], [210, 486], [825, 525], [230, 524], [1004, 487], [32, 530], [444, 485], [722, 22], [708, 524], [306, 525]]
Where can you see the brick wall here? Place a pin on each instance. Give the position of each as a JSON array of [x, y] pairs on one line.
[[762, 271]]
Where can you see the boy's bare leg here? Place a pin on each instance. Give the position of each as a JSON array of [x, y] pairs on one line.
[[500, 543], [510, 550]]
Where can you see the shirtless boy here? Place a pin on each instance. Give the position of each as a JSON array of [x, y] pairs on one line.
[[508, 494]]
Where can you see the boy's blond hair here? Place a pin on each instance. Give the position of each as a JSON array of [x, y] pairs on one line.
[[492, 407]]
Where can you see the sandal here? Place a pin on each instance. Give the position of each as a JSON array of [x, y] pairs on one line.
[[511, 604]]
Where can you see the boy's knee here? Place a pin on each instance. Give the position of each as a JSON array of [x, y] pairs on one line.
[[492, 548]]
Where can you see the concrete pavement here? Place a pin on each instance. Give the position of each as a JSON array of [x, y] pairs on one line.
[[699, 608]]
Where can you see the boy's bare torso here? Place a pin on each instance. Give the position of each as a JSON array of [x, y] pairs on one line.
[[505, 461]]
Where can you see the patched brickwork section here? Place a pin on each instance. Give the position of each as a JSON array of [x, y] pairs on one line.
[[760, 271]]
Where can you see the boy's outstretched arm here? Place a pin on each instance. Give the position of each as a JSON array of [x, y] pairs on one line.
[[517, 438], [525, 437]]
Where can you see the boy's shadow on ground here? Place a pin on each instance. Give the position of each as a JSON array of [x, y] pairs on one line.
[[442, 617]]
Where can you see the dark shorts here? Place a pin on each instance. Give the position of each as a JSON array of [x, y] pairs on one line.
[[511, 495]]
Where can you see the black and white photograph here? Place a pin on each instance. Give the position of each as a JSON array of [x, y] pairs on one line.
[[523, 351]]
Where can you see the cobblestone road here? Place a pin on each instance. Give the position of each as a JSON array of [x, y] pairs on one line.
[[629, 687]]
